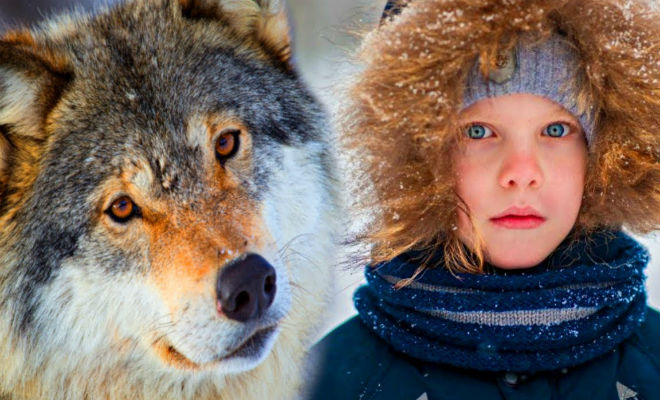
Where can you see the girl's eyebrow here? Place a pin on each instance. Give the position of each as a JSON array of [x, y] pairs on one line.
[[563, 114], [559, 109]]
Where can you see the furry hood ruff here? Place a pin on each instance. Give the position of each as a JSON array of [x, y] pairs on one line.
[[401, 117]]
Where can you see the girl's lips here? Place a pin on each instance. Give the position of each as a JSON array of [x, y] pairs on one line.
[[511, 221]]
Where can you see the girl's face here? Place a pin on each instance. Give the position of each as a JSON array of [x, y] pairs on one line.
[[521, 169]]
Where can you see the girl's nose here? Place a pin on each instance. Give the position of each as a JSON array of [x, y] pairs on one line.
[[521, 169]]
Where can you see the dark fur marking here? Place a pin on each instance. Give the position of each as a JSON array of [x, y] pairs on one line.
[[47, 253], [5, 194], [49, 232], [194, 9]]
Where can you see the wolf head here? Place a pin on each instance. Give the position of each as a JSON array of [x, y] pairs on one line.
[[165, 202]]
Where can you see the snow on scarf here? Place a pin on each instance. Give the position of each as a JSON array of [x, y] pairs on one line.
[[580, 303]]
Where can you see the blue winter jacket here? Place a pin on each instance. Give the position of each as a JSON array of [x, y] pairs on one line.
[[356, 364]]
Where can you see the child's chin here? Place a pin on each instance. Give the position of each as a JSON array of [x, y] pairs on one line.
[[515, 260]]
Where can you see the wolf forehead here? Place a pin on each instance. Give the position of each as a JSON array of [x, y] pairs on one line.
[[134, 77], [146, 65]]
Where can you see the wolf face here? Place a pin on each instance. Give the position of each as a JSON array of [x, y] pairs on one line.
[[165, 204]]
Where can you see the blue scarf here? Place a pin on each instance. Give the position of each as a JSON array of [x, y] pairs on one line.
[[580, 303]]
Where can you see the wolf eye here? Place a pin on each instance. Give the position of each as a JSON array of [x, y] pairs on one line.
[[557, 129], [226, 145], [123, 209], [478, 131]]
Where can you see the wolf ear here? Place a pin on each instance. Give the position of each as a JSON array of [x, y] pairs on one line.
[[31, 81], [262, 20]]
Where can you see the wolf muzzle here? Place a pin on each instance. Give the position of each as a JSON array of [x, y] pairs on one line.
[[246, 288]]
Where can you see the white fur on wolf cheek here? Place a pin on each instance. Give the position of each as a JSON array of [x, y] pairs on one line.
[[85, 309], [299, 211], [295, 202], [18, 103]]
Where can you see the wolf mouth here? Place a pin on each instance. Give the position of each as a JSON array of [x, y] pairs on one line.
[[251, 348]]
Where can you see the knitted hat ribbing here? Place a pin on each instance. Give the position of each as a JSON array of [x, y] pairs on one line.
[[549, 69]]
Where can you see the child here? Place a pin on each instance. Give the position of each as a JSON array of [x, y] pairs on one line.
[[508, 143]]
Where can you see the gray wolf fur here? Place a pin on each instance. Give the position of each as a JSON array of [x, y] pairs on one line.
[[119, 209]]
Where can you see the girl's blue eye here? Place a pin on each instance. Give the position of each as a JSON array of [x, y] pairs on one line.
[[478, 131], [556, 130]]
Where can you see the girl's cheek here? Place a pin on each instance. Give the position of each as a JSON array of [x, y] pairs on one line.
[[568, 162], [475, 165], [474, 179]]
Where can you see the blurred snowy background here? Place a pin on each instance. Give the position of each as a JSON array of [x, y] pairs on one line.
[[323, 42]]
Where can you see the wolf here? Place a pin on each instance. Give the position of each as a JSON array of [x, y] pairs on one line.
[[167, 205]]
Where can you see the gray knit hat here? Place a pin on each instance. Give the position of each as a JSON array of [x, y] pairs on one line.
[[549, 69]]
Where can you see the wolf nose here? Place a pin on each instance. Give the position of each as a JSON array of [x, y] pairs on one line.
[[246, 288]]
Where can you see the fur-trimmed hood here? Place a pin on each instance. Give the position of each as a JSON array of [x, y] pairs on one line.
[[400, 120]]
